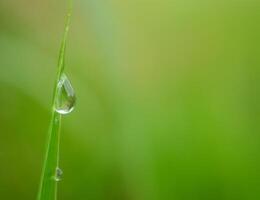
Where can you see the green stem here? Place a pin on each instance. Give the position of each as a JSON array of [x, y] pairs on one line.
[[48, 185]]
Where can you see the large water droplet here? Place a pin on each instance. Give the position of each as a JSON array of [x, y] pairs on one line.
[[58, 174], [66, 98]]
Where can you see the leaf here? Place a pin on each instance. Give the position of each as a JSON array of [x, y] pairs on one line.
[[48, 184]]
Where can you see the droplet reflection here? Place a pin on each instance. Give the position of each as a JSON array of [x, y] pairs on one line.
[[66, 98]]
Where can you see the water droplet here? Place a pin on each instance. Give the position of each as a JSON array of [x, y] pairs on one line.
[[58, 174], [66, 98]]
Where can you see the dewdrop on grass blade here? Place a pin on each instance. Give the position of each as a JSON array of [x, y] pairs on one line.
[[66, 98], [58, 174]]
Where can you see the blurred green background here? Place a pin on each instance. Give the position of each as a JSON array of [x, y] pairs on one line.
[[168, 96]]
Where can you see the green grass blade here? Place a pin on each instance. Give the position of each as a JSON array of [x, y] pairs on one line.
[[48, 184]]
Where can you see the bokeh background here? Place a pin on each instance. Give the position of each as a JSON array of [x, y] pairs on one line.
[[168, 95]]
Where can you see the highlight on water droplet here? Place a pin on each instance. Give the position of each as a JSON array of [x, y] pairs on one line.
[[66, 97], [58, 174]]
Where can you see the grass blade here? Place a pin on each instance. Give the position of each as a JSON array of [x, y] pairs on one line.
[[48, 184]]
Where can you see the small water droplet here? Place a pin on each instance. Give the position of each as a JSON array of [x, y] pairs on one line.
[[58, 174], [66, 98]]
